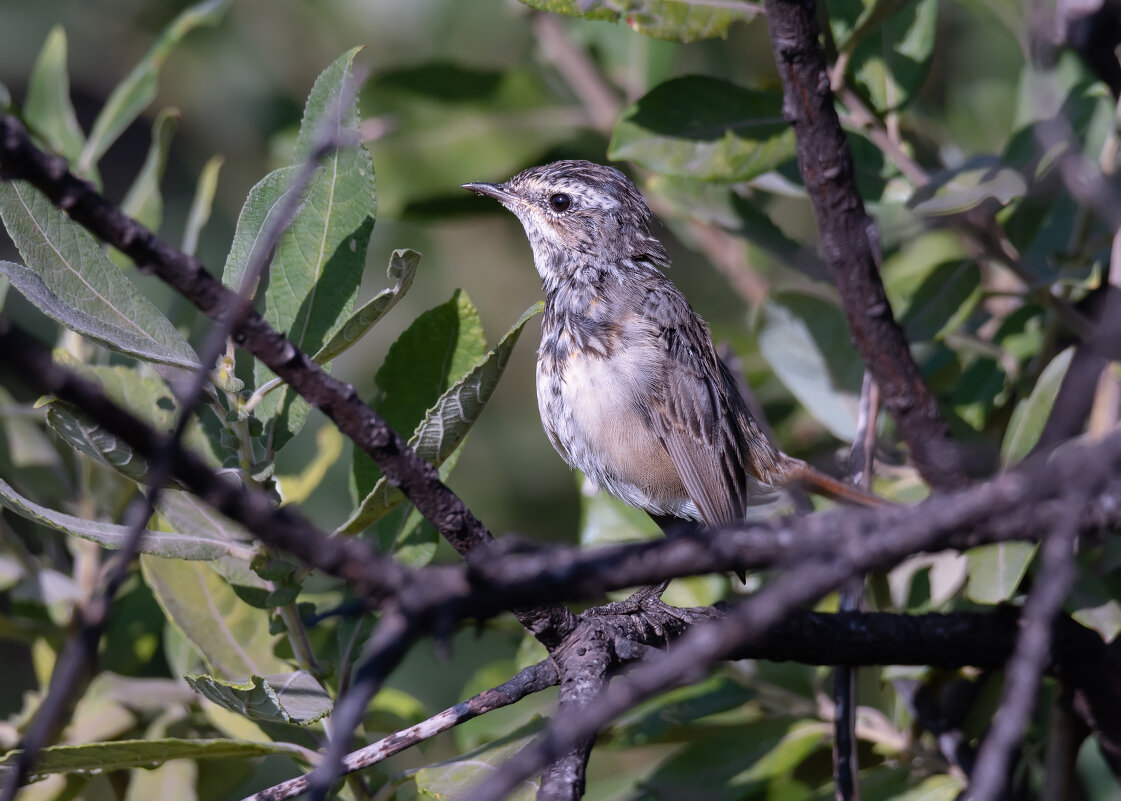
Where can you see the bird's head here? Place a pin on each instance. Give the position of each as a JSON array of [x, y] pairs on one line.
[[576, 213]]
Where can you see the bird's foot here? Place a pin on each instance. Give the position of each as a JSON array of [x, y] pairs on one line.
[[646, 600]]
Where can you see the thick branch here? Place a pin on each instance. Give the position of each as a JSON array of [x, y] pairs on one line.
[[849, 240]]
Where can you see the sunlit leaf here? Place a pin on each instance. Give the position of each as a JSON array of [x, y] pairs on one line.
[[676, 20], [72, 281], [296, 697], [995, 570], [132, 95], [47, 108], [317, 267], [296, 489], [704, 128], [1031, 414], [445, 425]]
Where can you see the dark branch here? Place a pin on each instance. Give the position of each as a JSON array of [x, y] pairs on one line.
[[849, 241]]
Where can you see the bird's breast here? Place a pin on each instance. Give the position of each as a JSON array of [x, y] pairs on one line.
[[596, 406]]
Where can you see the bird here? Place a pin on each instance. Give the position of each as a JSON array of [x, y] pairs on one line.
[[630, 387]]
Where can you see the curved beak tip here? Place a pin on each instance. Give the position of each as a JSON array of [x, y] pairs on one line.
[[484, 189]]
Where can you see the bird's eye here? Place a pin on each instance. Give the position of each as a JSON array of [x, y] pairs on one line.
[[560, 201]]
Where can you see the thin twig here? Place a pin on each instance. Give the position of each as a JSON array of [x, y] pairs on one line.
[[1054, 581], [530, 680]]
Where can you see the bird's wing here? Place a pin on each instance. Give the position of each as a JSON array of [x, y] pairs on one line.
[[699, 422]]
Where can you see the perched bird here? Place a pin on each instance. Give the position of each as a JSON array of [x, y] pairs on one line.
[[629, 385]]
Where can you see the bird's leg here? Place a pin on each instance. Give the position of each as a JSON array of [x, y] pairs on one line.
[[649, 596]]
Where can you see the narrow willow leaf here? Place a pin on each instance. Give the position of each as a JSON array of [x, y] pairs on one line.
[[675, 20], [145, 396], [109, 535], [402, 270], [232, 636], [446, 424], [119, 754], [143, 200], [138, 89], [434, 352], [284, 698], [1030, 416], [47, 109], [317, 268], [201, 206], [996, 570], [704, 128], [805, 340], [72, 281]]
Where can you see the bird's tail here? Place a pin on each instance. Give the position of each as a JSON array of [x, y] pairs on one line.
[[817, 482]]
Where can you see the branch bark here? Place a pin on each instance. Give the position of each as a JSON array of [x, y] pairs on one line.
[[849, 241]]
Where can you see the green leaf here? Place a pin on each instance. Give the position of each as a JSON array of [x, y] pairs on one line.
[[1105, 619], [1030, 415], [434, 352], [942, 787], [890, 46], [605, 520], [102, 757], [138, 89], [982, 179], [727, 761], [673, 715], [201, 205], [47, 109], [109, 535], [995, 570], [675, 20], [262, 204], [146, 397], [285, 698], [231, 635], [704, 128], [143, 200], [317, 268], [187, 515], [402, 270], [805, 340], [933, 289], [72, 281], [421, 361], [456, 777]]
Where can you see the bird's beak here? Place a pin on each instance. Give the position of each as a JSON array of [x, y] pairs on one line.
[[497, 191]]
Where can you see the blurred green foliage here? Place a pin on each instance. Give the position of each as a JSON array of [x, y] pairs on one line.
[[193, 117]]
